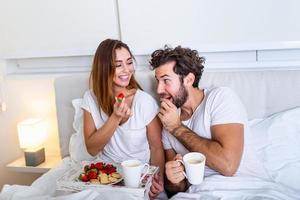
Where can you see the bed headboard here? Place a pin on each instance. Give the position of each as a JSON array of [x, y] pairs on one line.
[[262, 92]]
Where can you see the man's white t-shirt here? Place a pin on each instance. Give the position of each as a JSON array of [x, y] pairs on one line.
[[219, 106], [129, 141]]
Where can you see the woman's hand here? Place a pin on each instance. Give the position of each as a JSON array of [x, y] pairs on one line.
[[122, 110], [157, 186], [174, 170]]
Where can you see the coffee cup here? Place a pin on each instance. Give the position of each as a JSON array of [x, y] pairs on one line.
[[194, 164], [132, 171]]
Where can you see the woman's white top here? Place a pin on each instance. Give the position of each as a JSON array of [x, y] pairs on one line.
[[129, 140]]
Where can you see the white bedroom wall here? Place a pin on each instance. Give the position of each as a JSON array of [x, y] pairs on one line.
[[34, 28], [24, 97], [200, 24]]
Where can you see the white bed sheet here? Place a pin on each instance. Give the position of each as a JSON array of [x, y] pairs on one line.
[[214, 187], [44, 188], [239, 188]]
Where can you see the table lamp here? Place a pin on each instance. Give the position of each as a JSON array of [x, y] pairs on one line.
[[32, 134]]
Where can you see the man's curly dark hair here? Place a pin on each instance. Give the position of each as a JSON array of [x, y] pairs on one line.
[[187, 61]]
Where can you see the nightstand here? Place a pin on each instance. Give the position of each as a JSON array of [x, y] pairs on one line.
[[19, 165]]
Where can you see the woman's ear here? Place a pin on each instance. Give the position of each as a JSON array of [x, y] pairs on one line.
[[189, 79]]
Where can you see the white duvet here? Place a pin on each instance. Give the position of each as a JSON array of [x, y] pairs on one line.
[[277, 138], [44, 188], [220, 187], [214, 187]]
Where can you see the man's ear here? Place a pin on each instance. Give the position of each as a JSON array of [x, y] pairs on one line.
[[189, 79]]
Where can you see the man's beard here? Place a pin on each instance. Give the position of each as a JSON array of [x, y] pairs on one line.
[[180, 97]]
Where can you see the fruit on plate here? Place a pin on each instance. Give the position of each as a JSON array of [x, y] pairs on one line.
[[120, 97], [100, 173], [83, 177]]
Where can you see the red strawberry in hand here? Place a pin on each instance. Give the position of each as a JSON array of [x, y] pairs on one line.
[[120, 97]]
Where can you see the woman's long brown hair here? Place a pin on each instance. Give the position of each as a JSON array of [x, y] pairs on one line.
[[103, 71]]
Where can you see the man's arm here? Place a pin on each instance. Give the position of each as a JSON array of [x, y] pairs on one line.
[[174, 173], [223, 151]]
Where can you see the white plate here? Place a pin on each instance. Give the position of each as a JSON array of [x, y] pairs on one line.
[[69, 181]]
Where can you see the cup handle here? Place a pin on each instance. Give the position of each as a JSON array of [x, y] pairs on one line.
[[148, 167], [180, 161]]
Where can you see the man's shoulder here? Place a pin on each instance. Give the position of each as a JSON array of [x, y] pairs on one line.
[[219, 90], [219, 93]]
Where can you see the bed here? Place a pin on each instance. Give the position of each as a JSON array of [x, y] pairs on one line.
[[272, 99]]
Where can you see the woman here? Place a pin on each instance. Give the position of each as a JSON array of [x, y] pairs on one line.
[[123, 129]]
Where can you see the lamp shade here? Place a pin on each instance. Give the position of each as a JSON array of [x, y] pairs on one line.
[[32, 133]]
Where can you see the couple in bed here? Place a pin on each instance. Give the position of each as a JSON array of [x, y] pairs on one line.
[[211, 121]]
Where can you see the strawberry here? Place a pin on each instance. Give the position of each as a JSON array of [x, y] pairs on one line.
[[108, 169], [111, 170], [92, 175], [86, 168], [120, 97], [83, 177], [99, 165], [92, 166], [94, 170]]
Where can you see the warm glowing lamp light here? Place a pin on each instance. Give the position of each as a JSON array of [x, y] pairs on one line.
[[32, 134]]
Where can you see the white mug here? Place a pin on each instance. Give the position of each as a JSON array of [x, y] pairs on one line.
[[194, 164], [132, 170]]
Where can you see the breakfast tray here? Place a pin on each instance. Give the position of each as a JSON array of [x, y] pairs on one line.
[[69, 182]]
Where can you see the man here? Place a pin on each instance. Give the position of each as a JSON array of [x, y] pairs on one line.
[[210, 121]]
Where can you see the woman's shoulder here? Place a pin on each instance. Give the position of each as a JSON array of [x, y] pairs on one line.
[[145, 106], [88, 93], [89, 96], [144, 96]]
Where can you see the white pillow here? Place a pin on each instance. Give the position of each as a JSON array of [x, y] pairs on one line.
[[278, 141], [77, 148]]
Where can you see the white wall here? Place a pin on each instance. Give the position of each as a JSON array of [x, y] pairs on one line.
[[148, 25], [25, 97], [34, 28]]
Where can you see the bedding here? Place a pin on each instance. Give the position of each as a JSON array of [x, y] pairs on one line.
[[213, 187], [77, 148], [44, 188], [276, 135], [277, 139], [237, 188]]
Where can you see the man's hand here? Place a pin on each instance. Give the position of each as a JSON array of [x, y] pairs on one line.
[[174, 170], [157, 186], [168, 115]]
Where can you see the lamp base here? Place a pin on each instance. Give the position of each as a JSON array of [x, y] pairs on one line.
[[34, 158]]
